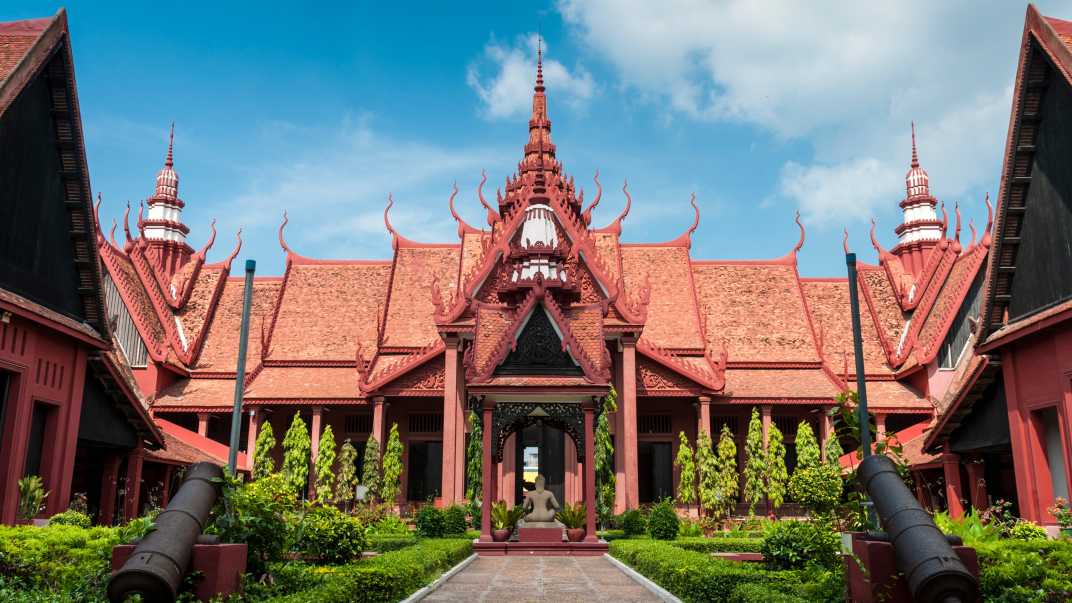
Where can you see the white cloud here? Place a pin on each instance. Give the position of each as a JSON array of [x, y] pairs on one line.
[[848, 77], [507, 91]]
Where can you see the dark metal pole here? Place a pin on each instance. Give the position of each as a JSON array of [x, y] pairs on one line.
[[858, 350], [861, 381], [240, 372]]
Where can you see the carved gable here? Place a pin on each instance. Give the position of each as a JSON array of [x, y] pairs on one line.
[[539, 350]]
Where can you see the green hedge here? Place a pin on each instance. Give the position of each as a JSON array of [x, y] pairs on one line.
[[1012, 571], [695, 576], [389, 577], [55, 563], [386, 544], [720, 545]]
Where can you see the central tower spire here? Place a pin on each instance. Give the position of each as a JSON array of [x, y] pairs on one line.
[[540, 151]]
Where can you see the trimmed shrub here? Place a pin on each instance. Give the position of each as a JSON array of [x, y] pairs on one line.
[[1035, 571], [751, 592], [817, 488], [797, 544], [430, 522], [720, 545], [390, 525], [389, 577], [330, 535], [71, 518], [386, 544], [454, 523], [663, 522], [1027, 530], [634, 523], [55, 563]]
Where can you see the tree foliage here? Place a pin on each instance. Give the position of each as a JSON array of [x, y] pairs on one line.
[[707, 466], [474, 470], [344, 489], [686, 465], [604, 459], [777, 474], [833, 450], [755, 466], [296, 449], [263, 463], [728, 477], [392, 466], [325, 466], [808, 452], [370, 475]]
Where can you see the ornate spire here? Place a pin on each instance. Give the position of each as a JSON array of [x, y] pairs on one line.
[[917, 182], [920, 229], [167, 181], [163, 228], [540, 151]]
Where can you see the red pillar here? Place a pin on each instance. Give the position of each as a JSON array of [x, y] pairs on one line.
[[825, 430], [314, 447], [132, 487], [765, 413], [977, 485], [627, 407], [704, 414], [485, 506], [378, 420], [202, 424], [67, 437], [451, 436], [109, 485], [880, 426], [953, 489], [251, 436], [590, 470]]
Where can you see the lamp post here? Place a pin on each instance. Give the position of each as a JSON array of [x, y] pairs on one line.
[[240, 371], [861, 381]]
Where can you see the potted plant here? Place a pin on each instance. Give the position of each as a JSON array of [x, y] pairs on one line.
[[32, 496], [503, 520], [573, 517], [1062, 511]]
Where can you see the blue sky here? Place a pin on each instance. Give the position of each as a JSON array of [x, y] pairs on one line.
[[761, 109]]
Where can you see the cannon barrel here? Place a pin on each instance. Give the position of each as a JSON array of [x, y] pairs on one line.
[[933, 570], [158, 563]]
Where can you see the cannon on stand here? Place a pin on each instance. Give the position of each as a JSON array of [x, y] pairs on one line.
[[156, 567], [933, 571]]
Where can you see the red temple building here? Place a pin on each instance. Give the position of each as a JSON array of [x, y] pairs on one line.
[[539, 307], [529, 319]]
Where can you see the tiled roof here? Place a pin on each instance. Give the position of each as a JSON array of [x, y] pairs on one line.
[[609, 252], [586, 323], [883, 302], [16, 39], [673, 321], [492, 323], [184, 447], [197, 311], [894, 394], [410, 312], [199, 393], [778, 383], [950, 298], [757, 309], [328, 309], [828, 301], [219, 352], [304, 382]]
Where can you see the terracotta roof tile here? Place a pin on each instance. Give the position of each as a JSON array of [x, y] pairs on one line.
[[492, 323], [198, 392], [472, 251], [608, 250], [328, 309], [16, 39], [136, 298], [673, 321], [757, 309], [829, 305], [198, 309], [220, 349], [948, 303], [778, 383], [410, 312], [884, 302], [894, 394], [586, 323], [304, 382]]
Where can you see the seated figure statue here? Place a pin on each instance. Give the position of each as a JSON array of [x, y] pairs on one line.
[[540, 506]]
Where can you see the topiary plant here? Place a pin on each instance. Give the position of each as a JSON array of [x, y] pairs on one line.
[[808, 451], [263, 463], [347, 484], [729, 478], [331, 536], [797, 544], [370, 475], [392, 466], [71, 518], [634, 523], [454, 523], [777, 474], [296, 448], [325, 466], [686, 464], [430, 522], [817, 489], [755, 466], [663, 522]]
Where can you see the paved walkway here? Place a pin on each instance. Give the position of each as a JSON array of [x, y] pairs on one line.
[[528, 579]]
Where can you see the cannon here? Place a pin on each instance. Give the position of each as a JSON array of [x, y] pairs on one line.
[[934, 572], [158, 563]]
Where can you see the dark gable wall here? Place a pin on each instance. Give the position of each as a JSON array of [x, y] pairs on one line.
[[36, 252], [1044, 263]]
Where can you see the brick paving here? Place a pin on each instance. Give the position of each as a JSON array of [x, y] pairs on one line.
[[531, 579]]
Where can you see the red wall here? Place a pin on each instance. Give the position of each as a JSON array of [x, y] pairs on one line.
[[1038, 376]]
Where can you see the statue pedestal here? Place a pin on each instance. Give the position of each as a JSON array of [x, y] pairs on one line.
[[540, 534]]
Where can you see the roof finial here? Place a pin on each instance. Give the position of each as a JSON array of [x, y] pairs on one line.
[[915, 155], [539, 62], [170, 161]]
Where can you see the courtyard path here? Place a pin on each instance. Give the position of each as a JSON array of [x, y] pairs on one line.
[[530, 579]]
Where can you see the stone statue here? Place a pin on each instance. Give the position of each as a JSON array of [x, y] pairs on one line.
[[540, 505]]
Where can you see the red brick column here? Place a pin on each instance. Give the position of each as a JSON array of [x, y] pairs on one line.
[[704, 414], [825, 431], [202, 424], [451, 411], [132, 486], [977, 485], [765, 413], [953, 489], [485, 503], [314, 447], [590, 470], [109, 485], [880, 426], [627, 407], [378, 420]]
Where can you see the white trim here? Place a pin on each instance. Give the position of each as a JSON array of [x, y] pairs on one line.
[[447, 575]]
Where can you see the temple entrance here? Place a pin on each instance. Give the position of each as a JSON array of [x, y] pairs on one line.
[[540, 450], [655, 466]]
